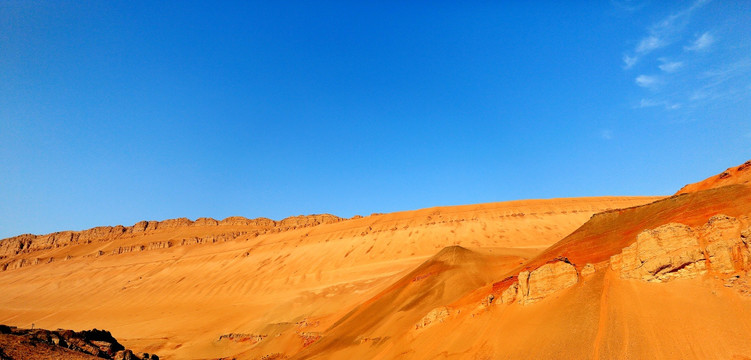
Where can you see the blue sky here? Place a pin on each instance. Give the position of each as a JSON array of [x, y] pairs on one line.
[[115, 112]]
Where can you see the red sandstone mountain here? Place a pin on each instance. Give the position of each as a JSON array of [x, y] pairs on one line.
[[563, 278], [739, 175]]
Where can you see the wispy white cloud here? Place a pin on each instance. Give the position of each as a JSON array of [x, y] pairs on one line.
[[727, 72], [681, 80], [629, 61], [702, 42], [661, 34], [647, 81], [727, 69], [649, 43], [724, 83], [606, 134], [670, 66], [647, 103]]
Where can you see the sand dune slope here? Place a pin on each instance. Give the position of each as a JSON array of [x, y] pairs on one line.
[[738, 175], [209, 289], [686, 296]]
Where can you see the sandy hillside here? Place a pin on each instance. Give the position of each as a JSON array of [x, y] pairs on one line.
[[735, 175], [591, 278], [208, 289], [667, 280]]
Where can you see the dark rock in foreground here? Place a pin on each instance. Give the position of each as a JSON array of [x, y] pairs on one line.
[[21, 344]]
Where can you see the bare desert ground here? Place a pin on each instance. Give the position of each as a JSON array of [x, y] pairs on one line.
[[577, 278]]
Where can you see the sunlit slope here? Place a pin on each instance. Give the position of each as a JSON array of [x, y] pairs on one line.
[[703, 313], [601, 317], [174, 290], [415, 301], [738, 175], [607, 233]]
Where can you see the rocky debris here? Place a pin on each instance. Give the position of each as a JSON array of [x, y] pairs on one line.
[[434, 316], [154, 245], [97, 343], [127, 249], [244, 338], [678, 251], [15, 264], [129, 355], [740, 283], [372, 340], [308, 338], [587, 270]]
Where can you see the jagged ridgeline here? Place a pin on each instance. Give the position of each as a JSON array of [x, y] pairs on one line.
[[596, 278], [235, 226]]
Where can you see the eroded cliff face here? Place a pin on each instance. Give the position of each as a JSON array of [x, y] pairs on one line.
[[678, 251], [28, 243], [532, 286], [18, 252]]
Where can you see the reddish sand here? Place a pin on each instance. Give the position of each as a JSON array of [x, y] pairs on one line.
[[733, 176], [277, 290], [416, 284], [601, 317]]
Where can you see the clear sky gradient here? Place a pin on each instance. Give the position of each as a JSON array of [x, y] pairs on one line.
[[113, 112]]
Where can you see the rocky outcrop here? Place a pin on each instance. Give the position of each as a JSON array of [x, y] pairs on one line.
[[533, 286], [509, 295], [175, 223], [309, 220], [436, 315], [100, 233], [210, 239], [142, 226], [669, 251], [159, 245], [678, 251], [97, 343], [546, 280], [587, 270], [24, 244], [250, 339], [204, 221], [127, 249], [727, 245], [238, 221]]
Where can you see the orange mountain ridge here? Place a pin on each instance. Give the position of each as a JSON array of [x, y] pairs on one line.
[[596, 278], [732, 176]]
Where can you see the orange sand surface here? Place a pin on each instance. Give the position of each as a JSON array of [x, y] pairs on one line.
[[210, 289]]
